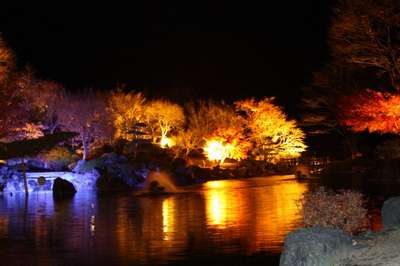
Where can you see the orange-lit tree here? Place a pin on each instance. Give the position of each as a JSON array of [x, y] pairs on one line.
[[185, 142], [274, 136], [216, 129], [227, 143], [85, 113], [372, 111], [162, 117], [127, 109]]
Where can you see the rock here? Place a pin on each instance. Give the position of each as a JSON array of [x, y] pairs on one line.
[[125, 172], [114, 165], [155, 187], [375, 249], [315, 246], [391, 213], [107, 183], [63, 188]]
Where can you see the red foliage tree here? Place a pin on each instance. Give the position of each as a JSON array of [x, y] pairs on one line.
[[373, 111]]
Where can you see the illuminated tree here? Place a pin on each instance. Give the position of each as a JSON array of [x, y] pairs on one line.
[[127, 109], [274, 136], [162, 117], [28, 131], [373, 111], [219, 148], [211, 125], [28, 102], [185, 142], [40, 97], [85, 113], [228, 141], [365, 34], [206, 118], [7, 62], [12, 115]]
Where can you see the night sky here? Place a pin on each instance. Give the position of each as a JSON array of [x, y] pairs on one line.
[[199, 49]]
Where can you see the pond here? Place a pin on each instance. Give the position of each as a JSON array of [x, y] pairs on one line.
[[240, 222]]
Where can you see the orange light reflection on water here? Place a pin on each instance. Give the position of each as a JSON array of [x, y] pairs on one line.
[[168, 219], [266, 214], [222, 204], [272, 222]]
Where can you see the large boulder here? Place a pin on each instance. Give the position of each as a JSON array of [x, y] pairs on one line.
[[391, 213], [375, 249], [315, 246], [63, 188], [125, 172], [107, 183], [115, 165]]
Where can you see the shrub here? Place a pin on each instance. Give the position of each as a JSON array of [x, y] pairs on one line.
[[343, 210], [58, 157]]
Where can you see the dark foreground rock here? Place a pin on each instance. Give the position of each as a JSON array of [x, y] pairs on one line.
[[391, 213], [375, 249], [314, 246], [63, 188]]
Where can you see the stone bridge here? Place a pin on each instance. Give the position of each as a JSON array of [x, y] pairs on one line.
[[79, 180]]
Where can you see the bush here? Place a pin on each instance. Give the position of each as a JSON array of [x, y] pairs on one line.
[[344, 210], [58, 157]]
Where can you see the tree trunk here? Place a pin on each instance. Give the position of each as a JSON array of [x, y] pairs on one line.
[[85, 145], [53, 128]]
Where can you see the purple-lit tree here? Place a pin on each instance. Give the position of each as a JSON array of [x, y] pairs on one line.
[[41, 97], [11, 112], [85, 113]]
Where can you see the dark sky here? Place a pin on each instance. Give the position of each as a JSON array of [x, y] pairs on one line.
[[196, 49]]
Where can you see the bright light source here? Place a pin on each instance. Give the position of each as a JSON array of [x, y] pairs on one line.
[[167, 142], [216, 151]]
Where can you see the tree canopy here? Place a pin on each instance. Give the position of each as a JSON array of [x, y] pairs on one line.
[[372, 111], [365, 34], [274, 136]]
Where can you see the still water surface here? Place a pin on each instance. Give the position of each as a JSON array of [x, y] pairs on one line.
[[216, 219]]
